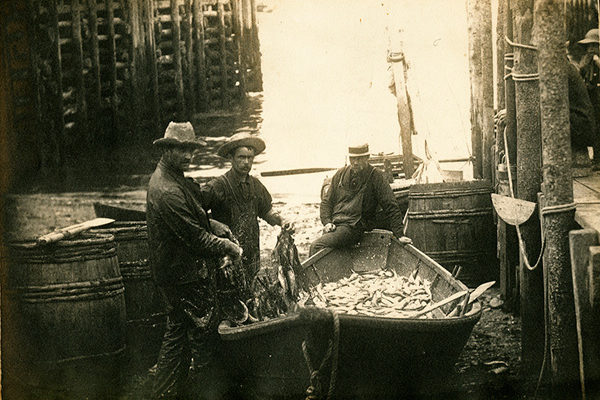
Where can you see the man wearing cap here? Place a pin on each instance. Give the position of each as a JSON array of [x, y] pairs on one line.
[[589, 68], [237, 199], [349, 204], [183, 248]]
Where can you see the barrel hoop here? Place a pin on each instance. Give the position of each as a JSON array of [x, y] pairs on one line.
[[473, 212], [117, 352], [449, 193], [65, 255], [135, 269], [152, 319], [73, 291]]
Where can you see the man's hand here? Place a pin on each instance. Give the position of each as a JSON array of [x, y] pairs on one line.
[[405, 240], [232, 249], [329, 227], [221, 230]]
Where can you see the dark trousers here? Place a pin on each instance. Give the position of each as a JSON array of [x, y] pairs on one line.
[[184, 340], [343, 236]]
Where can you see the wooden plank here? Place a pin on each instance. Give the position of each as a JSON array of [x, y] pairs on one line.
[[175, 26], [77, 59], [237, 31], [151, 57], [223, 51], [589, 364], [199, 53], [58, 75], [112, 68], [190, 76], [403, 109], [96, 94]]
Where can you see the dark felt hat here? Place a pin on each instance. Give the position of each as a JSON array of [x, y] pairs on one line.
[[180, 134], [360, 150], [242, 139]]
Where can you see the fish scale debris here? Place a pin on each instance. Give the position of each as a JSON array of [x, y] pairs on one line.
[[380, 294]]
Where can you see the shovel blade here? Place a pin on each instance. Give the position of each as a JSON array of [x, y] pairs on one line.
[[512, 211]]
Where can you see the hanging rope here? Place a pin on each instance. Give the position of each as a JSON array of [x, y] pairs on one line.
[[520, 45], [314, 391]]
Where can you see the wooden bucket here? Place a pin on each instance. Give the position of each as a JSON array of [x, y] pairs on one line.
[[452, 222], [63, 319], [145, 309]]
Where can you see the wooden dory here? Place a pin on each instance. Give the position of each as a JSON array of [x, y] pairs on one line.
[[376, 356]]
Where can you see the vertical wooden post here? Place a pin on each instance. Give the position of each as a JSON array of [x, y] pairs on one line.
[[558, 192], [151, 57], [135, 97], [500, 95], [189, 59], [529, 165], [57, 75], [404, 112], [475, 72], [176, 37], [509, 87], [223, 55], [256, 48], [78, 71], [112, 72], [581, 243], [487, 88], [237, 31], [199, 52], [96, 95]]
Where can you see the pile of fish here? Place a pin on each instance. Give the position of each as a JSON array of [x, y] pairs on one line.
[[377, 294]]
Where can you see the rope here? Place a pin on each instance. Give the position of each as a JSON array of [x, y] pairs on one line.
[[314, 390], [525, 77], [520, 45]]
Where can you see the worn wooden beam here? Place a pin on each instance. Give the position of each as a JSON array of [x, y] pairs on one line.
[[225, 98], [500, 103], [153, 67], [558, 193], [190, 76], [475, 73], [200, 69], [112, 56], [580, 243], [57, 76], [96, 93], [237, 36], [79, 84], [403, 109], [176, 37], [487, 89]]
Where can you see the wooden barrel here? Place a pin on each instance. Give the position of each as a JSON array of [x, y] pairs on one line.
[[63, 319], [452, 222], [145, 309]]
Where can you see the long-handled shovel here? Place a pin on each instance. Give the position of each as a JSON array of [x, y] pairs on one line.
[[70, 231]]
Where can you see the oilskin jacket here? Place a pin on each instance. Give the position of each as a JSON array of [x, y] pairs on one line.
[[352, 200], [181, 243]]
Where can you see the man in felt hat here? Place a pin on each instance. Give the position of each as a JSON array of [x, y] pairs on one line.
[[183, 248], [349, 204], [589, 68], [237, 199]]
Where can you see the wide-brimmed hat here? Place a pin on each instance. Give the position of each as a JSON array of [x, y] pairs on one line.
[[242, 139], [360, 150], [590, 37], [180, 134]]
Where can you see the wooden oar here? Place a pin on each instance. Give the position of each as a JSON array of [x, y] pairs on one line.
[[70, 231], [440, 303], [475, 293]]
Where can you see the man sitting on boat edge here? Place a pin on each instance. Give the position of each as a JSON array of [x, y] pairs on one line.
[[349, 204]]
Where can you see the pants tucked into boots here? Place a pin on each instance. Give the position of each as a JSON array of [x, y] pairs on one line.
[[191, 334]]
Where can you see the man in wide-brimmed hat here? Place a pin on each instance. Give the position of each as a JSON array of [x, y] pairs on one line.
[[589, 68], [183, 246], [237, 199], [348, 206]]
